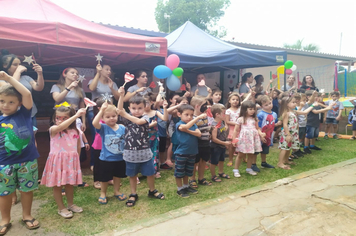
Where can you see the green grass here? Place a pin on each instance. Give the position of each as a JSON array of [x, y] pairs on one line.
[[98, 218]]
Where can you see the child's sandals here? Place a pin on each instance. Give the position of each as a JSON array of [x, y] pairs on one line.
[[121, 197], [132, 202], [103, 200], [352, 138], [66, 214], [225, 176], [204, 182], [156, 194], [193, 183], [75, 208], [216, 179], [229, 163]]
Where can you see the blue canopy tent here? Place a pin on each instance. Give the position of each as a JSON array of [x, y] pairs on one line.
[[201, 52]]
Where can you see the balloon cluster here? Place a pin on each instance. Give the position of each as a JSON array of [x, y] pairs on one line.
[[289, 66], [170, 71]]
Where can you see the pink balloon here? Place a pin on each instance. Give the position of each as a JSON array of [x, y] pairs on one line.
[[172, 61], [289, 71]]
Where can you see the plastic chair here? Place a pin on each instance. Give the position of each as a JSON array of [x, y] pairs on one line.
[[348, 125]]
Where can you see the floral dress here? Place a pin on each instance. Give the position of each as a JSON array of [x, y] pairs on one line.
[[154, 142], [249, 139], [63, 166], [234, 115], [293, 130]]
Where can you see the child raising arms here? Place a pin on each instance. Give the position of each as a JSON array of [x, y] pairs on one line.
[[137, 152], [248, 134], [63, 167], [19, 155]]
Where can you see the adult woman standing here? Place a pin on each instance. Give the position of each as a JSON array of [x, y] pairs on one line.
[[11, 65], [202, 90], [139, 88], [69, 89], [246, 82]]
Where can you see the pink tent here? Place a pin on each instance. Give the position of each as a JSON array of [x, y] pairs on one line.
[[57, 37]]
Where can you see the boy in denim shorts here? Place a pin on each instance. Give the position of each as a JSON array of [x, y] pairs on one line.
[[313, 122], [333, 116], [18, 153], [137, 152], [187, 132]]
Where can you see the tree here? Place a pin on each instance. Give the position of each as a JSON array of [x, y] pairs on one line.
[[171, 14], [299, 45]]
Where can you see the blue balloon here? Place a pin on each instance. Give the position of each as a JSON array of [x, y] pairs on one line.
[[162, 72], [173, 83]]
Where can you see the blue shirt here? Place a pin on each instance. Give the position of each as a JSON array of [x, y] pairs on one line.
[[275, 105], [162, 126], [17, 141], [113, 142], [187, 143], [266, 121]]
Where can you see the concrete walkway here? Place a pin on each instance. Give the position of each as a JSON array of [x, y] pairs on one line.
[[318, 202]]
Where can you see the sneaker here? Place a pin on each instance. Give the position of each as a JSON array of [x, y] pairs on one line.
[[315, 148], [326, 137], [299, 153], [251, 172], [236, 173], [183, 193], [307, 150], [191, 190], [266, 165], [165, 166], [335, 136], [255, 168]]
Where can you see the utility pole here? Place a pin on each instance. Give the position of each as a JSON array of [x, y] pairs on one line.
[[340, 43], [166, 16]]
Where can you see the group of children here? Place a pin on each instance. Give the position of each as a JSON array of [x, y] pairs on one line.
[[201, 130]]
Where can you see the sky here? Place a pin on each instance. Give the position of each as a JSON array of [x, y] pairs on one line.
[[270, 23]]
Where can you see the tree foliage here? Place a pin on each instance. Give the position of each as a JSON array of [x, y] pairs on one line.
[[299, 45], [171, 14]]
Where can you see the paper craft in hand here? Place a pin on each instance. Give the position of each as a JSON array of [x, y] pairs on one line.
[[208, 112], [160, 84], [81, 78], [128, 77], [322, 90], [106, 96], [274, 76], [99, 58], [163, 95], [89, 103], [202, 83], [28, 59], [152, 85], [183, 88]]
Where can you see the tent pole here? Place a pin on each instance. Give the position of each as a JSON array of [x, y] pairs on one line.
[[345, 78], [222, 83]]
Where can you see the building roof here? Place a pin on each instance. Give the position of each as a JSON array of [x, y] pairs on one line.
[[296, 51], [131, 30]]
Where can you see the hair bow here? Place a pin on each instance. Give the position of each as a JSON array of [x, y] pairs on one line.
[[63, 104], [291, 94]]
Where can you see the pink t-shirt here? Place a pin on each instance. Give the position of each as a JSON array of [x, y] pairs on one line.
[[97, 139]]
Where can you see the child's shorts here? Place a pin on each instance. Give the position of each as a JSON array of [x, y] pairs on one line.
[[162, 144], [23, 176], [217, 154], [302, 132], [312, 132], [184, 165], [265, 149], [354, 125], [145, 168], [110, 169], [203, 154], [331, 121]]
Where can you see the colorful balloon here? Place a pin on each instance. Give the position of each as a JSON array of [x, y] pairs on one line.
[[178, 71], [289, 71], [172, 61], [173, 83], [294, 68], [288, 64], [280, 70], [162, 71]]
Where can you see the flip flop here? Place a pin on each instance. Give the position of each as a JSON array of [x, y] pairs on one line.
[[104, 202], [229, 163], [31, 221], [84, 184], [7, 226], [121, 197]]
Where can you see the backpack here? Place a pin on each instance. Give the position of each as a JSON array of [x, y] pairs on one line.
[[351, 116]]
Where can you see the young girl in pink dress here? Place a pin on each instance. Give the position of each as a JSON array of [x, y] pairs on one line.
[[231, 115], [63, 165], [248, 134]]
